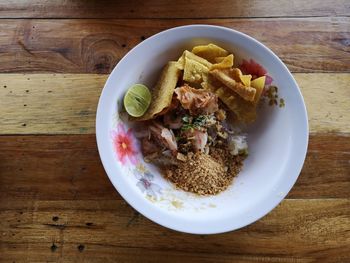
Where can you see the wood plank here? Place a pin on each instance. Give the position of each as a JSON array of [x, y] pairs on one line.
[[52, 167], [327, 101], [66, 103], [171, 9], [305, 230], [70, 252], [63, 167], [49, 103], [326, 169], [304, 44]]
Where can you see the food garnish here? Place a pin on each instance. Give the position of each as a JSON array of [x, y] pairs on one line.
[[137, 100]]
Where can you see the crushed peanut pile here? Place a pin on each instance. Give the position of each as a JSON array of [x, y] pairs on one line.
[[205, 174]]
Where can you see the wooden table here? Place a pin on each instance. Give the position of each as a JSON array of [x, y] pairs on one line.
[[56, 202]]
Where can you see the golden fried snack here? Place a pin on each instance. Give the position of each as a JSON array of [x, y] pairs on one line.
[[245, 111], [237, 75], [163, 91], [196, 69], [210, 52], [187, 55], [219, 59], [246, 80], [259, 85], [223, 62], [247, 93]]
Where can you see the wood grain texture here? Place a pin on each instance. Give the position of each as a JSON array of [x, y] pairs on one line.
[[327, 101], [107, 230], [36, 45], [171, 9], [66, 103], [68, 167], [56, 202], [49, 103], [40, 252]]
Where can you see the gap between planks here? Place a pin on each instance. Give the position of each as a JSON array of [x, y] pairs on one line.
[[66, 103]]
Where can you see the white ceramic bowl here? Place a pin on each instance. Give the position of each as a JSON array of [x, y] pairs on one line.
[[277, 141]]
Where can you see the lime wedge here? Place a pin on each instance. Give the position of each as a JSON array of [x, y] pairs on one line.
[[137, 100]]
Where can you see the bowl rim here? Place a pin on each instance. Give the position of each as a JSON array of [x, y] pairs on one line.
[[219, 228]]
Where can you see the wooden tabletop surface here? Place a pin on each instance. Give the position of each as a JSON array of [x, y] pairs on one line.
[[56, 202]]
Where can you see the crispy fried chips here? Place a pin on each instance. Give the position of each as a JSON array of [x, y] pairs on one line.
[[210, 67]]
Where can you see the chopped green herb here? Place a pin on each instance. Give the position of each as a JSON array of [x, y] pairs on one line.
[[186, 127], [282, 104], [192, 123], [243, 152], [199, 121], [186, 119], [272, 95]]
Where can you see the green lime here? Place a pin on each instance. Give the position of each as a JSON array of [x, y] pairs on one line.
[[137, 100]]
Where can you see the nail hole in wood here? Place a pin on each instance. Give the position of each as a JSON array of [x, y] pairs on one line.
[[53, 247], [81, 248]]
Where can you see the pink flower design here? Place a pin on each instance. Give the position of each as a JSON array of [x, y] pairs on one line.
[[124, 144], [146, 186], [255, 69], [145, 183]]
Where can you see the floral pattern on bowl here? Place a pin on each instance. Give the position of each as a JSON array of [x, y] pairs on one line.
[[128, 154]]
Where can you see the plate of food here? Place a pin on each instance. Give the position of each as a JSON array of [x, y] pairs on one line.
[[202, 129]]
